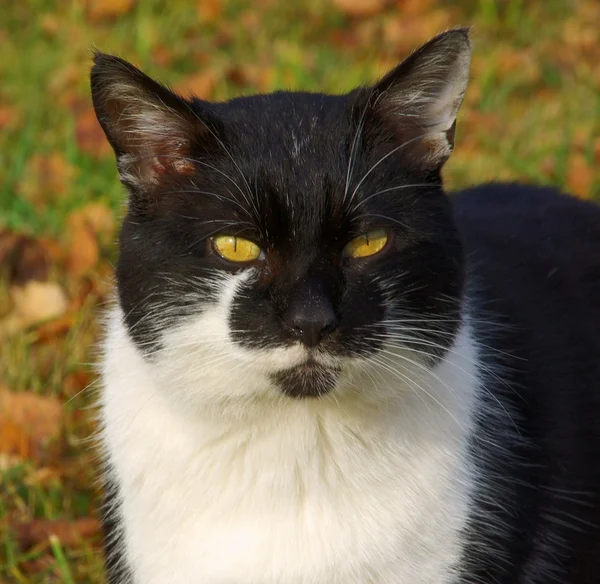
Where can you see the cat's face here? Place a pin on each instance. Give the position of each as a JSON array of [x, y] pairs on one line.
[[297, 237]]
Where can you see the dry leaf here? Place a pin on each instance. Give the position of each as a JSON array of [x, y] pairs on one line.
[[23, 258], [37, 301], [33, 302], [46, 179], [88, 226], [84, 251], [201, 85], [30, 425], [88, 132], [55, 328], [209, 10], [76, 382], [69, 532], [580, 175], [107, 9], [10, 117], [360, 8]]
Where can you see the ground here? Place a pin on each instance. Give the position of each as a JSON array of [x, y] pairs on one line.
[[532, 113]]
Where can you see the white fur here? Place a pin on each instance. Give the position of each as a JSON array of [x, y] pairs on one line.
[[226, 481]]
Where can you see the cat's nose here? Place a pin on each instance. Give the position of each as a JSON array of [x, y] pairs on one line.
[[311, 318]]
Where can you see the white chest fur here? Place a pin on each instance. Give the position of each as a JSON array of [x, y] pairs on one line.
[[307, 492]]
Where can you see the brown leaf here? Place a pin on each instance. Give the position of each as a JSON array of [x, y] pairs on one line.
[[84, 252], [209, 10], [30, 425], [10, 117], [360, 8], [23, 258], [37, 301], [47, 177], [107, 9], [88, 132], [201, 85], [88, 227], [162, 56], [580, 175], [76, 382], [57, 327], [69, 532]]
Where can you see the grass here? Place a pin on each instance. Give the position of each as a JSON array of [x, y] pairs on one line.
[[532, 113]]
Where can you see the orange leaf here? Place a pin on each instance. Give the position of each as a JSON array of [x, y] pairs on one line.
[[87, 226], [84, 252], [55, 328], [580, 175], [69, 532], [30, 424], [209, 10], [201, 85], [360, 8], [89, 135], [10, 117], [107, 9], [46, 179]]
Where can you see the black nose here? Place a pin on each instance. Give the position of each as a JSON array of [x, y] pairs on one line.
[[311, 317]]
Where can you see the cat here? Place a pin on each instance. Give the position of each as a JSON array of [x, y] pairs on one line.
[[323, 369]]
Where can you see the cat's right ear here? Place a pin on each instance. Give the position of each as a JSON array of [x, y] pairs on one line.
[[153, 131]]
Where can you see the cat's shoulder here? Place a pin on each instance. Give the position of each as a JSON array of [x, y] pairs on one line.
[[521, 215], [500, 201]]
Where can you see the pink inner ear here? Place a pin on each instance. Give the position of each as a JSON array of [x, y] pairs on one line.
[[183, 166]]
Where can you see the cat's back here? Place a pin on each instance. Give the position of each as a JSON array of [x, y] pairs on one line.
[[533, 245], [533, 258]]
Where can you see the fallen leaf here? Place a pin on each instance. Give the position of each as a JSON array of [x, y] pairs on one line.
[[69, 532], [88, 132], [47, 177], [30, 425], [76, 382], [209, 10], [88, 227], [98, 216], [23, 258], [55, 328], [580, 175], [33, 302], [107, 9], [84, 252], [162, 56], [360, 8], [10, 117], [201, 85], [50, 23]]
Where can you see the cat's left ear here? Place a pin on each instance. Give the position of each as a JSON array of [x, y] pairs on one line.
[[154, 132], [418, 101]]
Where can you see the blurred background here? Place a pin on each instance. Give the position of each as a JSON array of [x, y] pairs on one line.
[[532, 113]]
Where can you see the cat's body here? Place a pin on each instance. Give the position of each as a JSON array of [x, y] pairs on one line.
[[422, 412]]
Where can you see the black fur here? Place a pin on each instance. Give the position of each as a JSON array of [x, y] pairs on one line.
[[522, 263], [534, 269]]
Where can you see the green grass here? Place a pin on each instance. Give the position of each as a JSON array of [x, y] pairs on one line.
[[532, 112]]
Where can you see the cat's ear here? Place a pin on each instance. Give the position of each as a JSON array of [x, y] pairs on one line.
[[418, 101], [153, 131]]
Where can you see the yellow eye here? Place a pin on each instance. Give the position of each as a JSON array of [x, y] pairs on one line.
[[236, 249], [367, 245]]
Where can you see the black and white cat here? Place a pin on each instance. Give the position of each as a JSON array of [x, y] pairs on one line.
[[323, 370]]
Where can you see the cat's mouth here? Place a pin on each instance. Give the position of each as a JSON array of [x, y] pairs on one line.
[[308, 379]]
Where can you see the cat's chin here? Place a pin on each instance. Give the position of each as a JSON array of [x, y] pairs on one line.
[[307, 380]]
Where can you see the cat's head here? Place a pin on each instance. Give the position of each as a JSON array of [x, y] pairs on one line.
[[287, 242]]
